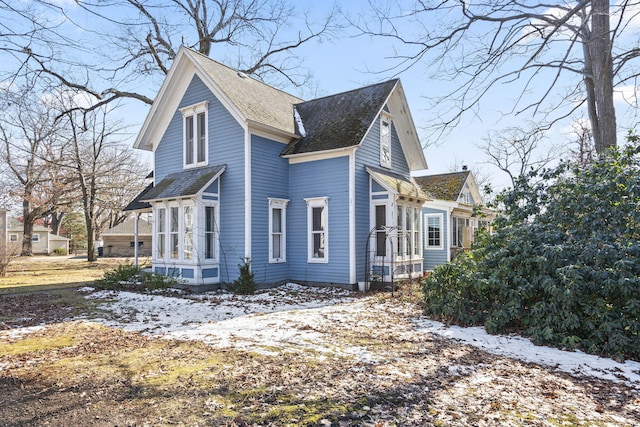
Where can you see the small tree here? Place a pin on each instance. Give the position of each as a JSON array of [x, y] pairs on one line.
[[245, 283], [8, 252]]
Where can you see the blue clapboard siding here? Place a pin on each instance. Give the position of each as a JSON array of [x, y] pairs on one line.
[[226, 146], [435, 257], [369, 155], [320, 178], [269, 179]]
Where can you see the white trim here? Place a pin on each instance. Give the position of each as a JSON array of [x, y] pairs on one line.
[[282, 205], [352, 217], [385, 161], [317, 202], [247, 193], [260, 129], [426, 231], [319, 155]]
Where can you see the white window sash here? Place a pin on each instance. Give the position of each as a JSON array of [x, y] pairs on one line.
[[278, 237], [323, 234]]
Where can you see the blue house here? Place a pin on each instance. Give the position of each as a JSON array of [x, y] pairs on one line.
[[315, 192], [451, 216]]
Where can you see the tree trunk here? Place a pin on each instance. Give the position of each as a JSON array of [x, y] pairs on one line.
[[27, 229], [604, 133]]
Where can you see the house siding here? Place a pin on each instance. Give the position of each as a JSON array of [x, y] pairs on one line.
[[369, 155], [269, 179], [435, 257], [226, 146], [322, 178]]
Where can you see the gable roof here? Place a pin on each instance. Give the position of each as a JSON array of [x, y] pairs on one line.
[[446, 186], [14, 225], [128, 227], [250, 101], [338, 121], [185, 183], [256, 101]]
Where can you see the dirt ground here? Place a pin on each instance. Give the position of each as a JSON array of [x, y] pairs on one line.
[[80, 373]]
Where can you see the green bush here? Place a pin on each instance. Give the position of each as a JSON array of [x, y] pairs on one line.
[[563, 265], [245, 283], [129, 277], [60, 251]]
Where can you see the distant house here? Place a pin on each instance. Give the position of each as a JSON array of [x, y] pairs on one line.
[[119, 241], [42, 239], [450, 222], [312, 191]]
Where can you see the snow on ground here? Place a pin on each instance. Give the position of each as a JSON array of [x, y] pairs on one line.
[[296, 317]]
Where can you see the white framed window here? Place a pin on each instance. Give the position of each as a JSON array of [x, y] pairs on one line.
[[380, 212], [277, 230], [187, 240], [210, 232], [195, 119], [35, 237], [434, 238], [318, 229], [416, 232], [161, 232], [13, 237], [385, 140], [174, 228], [460, 232]]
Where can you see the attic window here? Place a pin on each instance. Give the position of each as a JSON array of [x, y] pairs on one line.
[[385, 141], [195, 136]]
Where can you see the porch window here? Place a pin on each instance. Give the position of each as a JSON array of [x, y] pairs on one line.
[[195, 123], [402, 241], [416, 231], [277, 230], [188, 233], [161, 231], [318, 230], [210, 232], [434, 231], [381, 232], [460, 226], [173, 232]]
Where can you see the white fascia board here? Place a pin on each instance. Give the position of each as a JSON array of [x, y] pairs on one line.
[[320, 155], [212, 180], [247, 193], [440, 204], [260, 129], [352, 217], [150, 133], [406, 129]]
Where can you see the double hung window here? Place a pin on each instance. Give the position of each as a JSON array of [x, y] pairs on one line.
[[434, 237], [195, 123], [277, 230], [318, 229]]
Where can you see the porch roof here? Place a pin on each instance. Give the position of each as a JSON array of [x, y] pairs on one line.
[[185, 183], [398, 184]]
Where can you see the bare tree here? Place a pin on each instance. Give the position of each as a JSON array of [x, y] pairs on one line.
[[585, 152], [28, 133], [106, 171], [563, 55], [515, 151], [125, 41]]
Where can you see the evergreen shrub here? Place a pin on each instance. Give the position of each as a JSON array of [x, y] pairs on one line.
[[563, 263]]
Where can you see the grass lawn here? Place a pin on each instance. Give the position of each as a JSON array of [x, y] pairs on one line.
[[43, 273]]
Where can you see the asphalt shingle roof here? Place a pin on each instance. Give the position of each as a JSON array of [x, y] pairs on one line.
[[183, 184], [129, 227], [446, 186], [340, 120], [256, 100], [137, 204]]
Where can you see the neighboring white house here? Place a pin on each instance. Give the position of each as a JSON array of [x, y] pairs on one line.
[[43, 240], [451, 217]]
